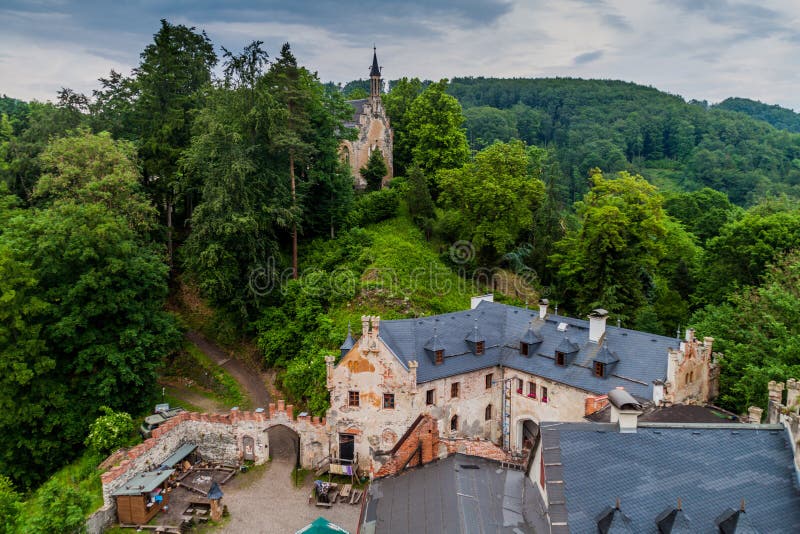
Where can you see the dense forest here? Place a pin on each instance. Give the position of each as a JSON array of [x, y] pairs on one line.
[[591, 192]]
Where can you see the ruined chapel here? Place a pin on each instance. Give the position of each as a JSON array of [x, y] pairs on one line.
[[374, 130]]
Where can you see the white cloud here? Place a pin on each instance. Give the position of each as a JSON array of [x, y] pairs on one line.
[[697, 53]]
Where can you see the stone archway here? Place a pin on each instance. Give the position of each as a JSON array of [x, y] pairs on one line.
[[527, 434], [284, 444]]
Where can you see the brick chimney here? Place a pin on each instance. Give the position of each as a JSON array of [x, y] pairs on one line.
[[543, 303], [597, 325]]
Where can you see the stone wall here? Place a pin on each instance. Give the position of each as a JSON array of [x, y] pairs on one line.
[[692, 372], [374, 133], [786, 413], [219, 438], [98, 522]]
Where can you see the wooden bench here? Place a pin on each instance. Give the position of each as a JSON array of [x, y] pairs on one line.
[[356, 497]]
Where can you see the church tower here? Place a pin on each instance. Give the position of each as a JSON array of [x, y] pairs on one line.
[[375, 77], [374, 130]]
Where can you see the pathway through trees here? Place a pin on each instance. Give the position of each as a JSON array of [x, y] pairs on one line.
[[251, 382]]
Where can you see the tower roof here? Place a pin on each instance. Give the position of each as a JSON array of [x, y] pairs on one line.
[[376, 70]]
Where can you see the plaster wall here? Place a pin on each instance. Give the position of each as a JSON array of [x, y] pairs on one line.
[[469, 406], [564, 403]]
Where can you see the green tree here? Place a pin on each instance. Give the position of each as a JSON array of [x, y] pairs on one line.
[[398, 103], [357, 93], [435, 131], [495, 196], [374, 171], [292, 136], [758, 332], [88, 168], [610, 261], [702, 212], [169, 77], [738, 256], [10, 505], [485, 125], [82, 325], [113, 106], [234, 228], [418, 198], [63, 510], [110, 431]]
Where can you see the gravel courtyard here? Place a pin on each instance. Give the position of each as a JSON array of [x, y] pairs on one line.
[[266, 502]]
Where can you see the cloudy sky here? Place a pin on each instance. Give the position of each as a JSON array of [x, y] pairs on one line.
[[702, 49]]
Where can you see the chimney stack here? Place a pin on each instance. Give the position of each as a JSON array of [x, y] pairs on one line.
[[625, 410], [597, 325], [543, 303]]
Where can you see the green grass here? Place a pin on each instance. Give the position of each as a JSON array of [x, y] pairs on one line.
[[82, 475], [404, 278], [299, 476], [172, 397], [213, 381]]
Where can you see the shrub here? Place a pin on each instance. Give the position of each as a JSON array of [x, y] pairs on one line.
[[109, 431], [374, 207]]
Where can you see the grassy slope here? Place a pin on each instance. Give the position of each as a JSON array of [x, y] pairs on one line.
[[406, 277]]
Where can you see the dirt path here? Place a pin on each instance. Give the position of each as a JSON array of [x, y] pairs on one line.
[[192, 397], [251, 381]]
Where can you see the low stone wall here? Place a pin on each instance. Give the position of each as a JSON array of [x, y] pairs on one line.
[[99, 521], [219, 438]]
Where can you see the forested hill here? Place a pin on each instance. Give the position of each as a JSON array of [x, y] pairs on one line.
[[616, 125], [781, 118]]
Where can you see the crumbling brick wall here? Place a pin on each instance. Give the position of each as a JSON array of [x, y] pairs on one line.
[[219, 438], [422, 444]]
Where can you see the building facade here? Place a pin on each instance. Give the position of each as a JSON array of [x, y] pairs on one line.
[[374, 130], [496, 371]]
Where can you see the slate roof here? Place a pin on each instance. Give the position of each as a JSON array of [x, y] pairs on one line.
[[676, 413], [711, 468], [642, 356], [375, 70], [358, 110], [447, 497]]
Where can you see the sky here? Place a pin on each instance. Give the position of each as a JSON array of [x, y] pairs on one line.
[[699, 49]]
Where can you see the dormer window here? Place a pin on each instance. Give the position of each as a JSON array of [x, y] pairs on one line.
[[475, 341], [529, 341], [434, 349], [599, 369], [605, 362], [565, 352]]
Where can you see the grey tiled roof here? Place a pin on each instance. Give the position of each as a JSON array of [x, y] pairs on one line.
[[711, 468], [642, 356], [447, 497]]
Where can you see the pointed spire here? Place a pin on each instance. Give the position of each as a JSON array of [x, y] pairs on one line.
[[349, 343], [376, 70]]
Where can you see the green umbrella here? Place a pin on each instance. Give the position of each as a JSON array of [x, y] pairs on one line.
[[321, 526]]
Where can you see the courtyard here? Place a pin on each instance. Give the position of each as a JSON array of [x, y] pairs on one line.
[[266, 501]]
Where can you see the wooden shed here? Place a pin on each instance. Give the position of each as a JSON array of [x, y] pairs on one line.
[[141, 498]]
